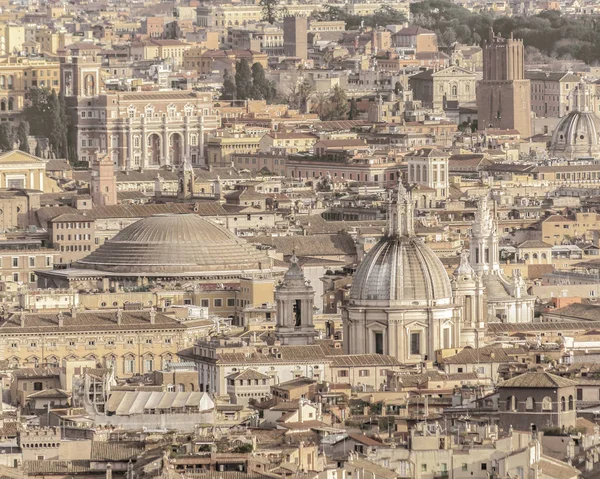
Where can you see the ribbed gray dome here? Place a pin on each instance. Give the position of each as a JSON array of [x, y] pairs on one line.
[[401, 270], [577, 135], [174, 244]]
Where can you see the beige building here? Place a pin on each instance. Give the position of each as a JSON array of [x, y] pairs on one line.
[[436, 88], [551, 92], [17, 74], [557, 229], [131, 342], [12, 38], [428, 167], [22, 170], [417, 39], [73, 236], [18, 266], [286, 143], [136, 129], [220, 149]]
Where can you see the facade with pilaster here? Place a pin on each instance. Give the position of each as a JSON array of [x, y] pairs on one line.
[[137, 130]]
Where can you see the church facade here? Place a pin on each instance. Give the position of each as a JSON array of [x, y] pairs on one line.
[[403, 303]]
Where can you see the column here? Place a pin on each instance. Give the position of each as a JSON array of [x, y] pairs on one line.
[[128, 160], [31, 180], [144, 144], [186, 138], [166, 160], [201, 158]]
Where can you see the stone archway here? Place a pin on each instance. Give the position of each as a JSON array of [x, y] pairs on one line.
[[154, 148]]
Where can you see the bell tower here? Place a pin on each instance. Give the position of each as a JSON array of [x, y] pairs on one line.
[[186, 180], [295, 298], [468, 291]]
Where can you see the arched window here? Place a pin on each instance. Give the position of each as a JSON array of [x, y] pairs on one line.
[[571, 405], [181, 388], [511, 403], [547, 404], [3, 105], [535, 256], [90, 85], [11, 80], [454, 90], [562, 404], [11, 104], [2, 82], [530, 404], [544, 256]]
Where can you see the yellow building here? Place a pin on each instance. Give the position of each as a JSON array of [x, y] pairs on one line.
[[131, 342], [17, 74], [12, 37], [556, 228], [22, 170], [220, 148], [51, 42]]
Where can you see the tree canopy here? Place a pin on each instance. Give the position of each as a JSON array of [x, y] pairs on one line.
[[548, 33], [47, 117], [248, 84]]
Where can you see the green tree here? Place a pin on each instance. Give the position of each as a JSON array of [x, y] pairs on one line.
[[338, 104], [23, 136], [7, 137], [228, 91], [271, 11], [243, 80], [37, 113], [58, 129], [353, 112], [262, 89], [386, 15]]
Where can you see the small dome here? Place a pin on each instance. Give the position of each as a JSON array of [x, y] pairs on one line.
[[401, 270], [577, 135], [174, 244]]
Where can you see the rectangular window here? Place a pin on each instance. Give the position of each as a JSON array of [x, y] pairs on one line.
[[379, 343], [32, 261], [129, 365], [465, 466], [15, 262], [218, 302], [415, 343], [204, 303], [343, 373], [579, 394], [230, 302]]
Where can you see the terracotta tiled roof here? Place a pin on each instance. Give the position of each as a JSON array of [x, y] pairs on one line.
[[538, 380]]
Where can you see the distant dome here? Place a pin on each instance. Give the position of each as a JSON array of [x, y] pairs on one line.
[[577, 135], [401, 270], [167, 244]]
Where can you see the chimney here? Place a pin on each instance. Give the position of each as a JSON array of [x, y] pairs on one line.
[[73, 311], [22, 319], [119, 316], [152, 316], [61, 320]]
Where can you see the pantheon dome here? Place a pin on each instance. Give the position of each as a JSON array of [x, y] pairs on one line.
[[174, 245], [577, 135], [401, 270]]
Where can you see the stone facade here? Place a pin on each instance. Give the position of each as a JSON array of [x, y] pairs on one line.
[[136, 129]]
